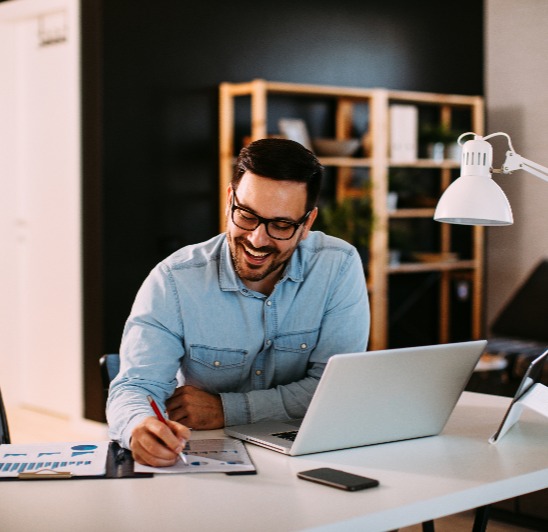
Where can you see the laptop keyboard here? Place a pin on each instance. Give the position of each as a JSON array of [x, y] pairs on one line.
[[289, 435]]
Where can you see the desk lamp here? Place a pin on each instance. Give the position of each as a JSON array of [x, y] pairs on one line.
[[474, 198]]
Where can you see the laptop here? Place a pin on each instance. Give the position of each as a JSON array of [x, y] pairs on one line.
[[374, 397], [532, 376]]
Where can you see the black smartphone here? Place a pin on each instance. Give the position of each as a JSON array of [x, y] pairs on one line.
[[338, 479]]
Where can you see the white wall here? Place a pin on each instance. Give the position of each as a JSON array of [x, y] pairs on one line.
[[516, 86], [40, 228]]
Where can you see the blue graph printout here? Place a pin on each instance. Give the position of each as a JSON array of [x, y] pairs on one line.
[[77, 458], [221, 455]]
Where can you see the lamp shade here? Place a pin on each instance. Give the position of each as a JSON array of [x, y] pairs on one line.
[[474, 198]]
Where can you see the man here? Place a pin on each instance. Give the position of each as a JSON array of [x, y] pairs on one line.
[[249, 318]]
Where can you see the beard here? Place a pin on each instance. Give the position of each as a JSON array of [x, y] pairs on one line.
[[256, 264]]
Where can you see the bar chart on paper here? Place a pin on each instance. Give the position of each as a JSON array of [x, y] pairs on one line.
[[76, 458], [221, 455]]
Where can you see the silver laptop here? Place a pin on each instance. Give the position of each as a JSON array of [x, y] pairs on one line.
[[374, 397]]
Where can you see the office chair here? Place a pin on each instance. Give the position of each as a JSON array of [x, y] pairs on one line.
[[110, 366], [4, 429]]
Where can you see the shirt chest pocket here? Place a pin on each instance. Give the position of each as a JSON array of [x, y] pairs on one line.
[[292, 355], [302, 342], [213, 369]]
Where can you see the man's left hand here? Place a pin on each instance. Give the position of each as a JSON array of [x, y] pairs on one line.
[[196, 409]]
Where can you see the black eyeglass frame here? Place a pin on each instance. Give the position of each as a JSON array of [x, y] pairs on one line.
[[266, 221]]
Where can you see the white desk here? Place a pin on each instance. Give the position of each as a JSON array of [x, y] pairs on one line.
[[420, 480]]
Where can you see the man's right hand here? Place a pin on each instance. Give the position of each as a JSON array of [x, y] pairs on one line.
[[158, 444]]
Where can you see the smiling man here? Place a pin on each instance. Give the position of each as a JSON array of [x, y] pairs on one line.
[[248, 318]]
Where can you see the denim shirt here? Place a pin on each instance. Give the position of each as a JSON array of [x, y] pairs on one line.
[[262, 354]]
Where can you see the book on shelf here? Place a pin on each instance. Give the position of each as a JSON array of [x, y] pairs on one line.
[[403, 133]]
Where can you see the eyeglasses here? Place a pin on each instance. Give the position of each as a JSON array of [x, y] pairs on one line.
[[275, 228]]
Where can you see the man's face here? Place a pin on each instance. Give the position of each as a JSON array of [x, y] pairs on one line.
[[258, 258]]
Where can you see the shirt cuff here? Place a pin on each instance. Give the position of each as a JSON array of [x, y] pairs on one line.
[[236, 409], [124, 439]]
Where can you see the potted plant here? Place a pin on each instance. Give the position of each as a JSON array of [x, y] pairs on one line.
[[437, 138], [413, 186], [350, 220]]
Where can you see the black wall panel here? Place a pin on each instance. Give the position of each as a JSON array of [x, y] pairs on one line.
[[161, 65]]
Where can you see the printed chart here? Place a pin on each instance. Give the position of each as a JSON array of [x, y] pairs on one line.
[[222, 455], [76, 458]]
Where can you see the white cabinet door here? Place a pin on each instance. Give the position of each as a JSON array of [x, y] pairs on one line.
[[40, 208]]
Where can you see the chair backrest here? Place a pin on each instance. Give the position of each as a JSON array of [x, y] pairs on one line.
[[4, 429], [110, 366]]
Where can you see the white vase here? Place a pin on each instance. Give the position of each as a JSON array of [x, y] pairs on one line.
[[435, 151]]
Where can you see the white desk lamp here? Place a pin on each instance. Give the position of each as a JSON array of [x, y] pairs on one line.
[[474, 198]]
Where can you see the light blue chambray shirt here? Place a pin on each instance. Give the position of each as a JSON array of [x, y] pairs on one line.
[[263, 354]]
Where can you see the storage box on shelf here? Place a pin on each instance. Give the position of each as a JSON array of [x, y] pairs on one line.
[[453, 255]]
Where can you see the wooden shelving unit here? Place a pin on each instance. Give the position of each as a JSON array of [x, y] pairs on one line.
[[257, 95]]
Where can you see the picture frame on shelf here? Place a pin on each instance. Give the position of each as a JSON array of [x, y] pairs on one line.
[[295, 129]]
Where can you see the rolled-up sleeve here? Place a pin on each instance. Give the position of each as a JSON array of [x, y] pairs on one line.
[[150, 355]]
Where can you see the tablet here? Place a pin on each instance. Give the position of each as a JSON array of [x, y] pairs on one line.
[[532, 376]]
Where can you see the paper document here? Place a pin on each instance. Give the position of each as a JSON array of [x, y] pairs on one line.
[[222, 455], [76, 458]]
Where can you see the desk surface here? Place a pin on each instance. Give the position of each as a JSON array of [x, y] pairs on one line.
[[420, 480]]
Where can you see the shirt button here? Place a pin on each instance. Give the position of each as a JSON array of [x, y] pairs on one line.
[[258, 372], [268, 342], [304, 346], [269, 303], [217, 363]]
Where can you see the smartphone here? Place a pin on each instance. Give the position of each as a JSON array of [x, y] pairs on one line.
[[338, 479]]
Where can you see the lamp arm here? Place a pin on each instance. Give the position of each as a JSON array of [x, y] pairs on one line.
[[514, 161]]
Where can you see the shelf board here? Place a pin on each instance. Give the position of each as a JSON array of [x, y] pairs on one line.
[[358, 93], [367, 162], [352, 192], [416, 267], [345, 161], [412, 213], [426, 163]]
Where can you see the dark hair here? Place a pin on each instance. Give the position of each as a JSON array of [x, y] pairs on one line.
[[281, 160]]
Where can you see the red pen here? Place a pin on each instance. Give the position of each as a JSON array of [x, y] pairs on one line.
[[163, 420]]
